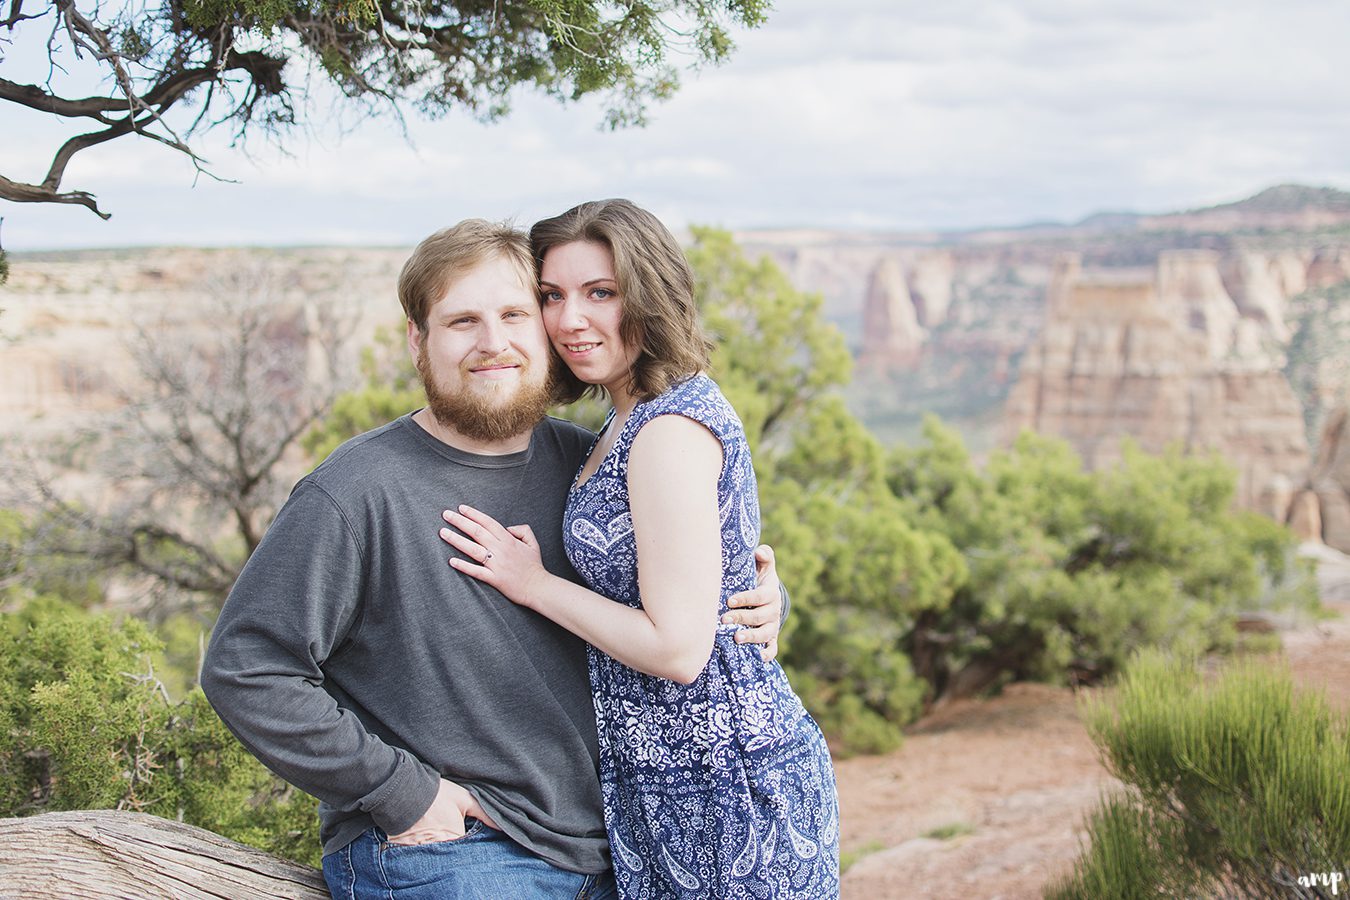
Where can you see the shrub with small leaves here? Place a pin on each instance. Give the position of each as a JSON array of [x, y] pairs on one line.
[[86, 724], [1234, 787]]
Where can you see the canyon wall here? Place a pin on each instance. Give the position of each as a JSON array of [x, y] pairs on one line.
[[1162, 329], [68, 320], [1225, 329], [1165, 358]]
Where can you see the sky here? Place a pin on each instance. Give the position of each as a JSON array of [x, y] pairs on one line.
[[857, 114]]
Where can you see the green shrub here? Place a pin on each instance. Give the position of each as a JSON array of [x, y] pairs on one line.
[[1071, 571], [1133, 851], [1237, 786], [85, 723]]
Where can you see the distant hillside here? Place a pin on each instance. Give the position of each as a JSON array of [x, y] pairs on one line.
[[1283, 208], [1280, 202], [1286, 198], [1286, 207]]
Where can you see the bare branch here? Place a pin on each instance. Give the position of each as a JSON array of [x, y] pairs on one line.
[[198, 460], [16, 15], [35, 97], [75, 145], [34, 193]]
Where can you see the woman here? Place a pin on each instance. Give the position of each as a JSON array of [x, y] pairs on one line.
[[716, 781]]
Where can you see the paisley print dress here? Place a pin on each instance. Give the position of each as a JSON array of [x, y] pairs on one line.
[[721, 788]]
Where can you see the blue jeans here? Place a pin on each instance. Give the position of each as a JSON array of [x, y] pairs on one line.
[[483, 865]]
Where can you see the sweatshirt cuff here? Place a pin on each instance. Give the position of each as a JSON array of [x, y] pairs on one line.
[[398, 803]]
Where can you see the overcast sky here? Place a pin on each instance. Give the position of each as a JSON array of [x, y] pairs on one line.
[[894, 114]]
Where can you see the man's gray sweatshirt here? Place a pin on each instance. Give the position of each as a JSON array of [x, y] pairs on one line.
[[359, 666]]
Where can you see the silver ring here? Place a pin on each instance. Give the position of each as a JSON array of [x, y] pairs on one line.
[[489, 556]]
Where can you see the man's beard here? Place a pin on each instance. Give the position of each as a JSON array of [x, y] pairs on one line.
[[479, 416]]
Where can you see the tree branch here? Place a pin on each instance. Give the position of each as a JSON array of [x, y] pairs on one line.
[[16, 15], [433, 54], [34, 97], [75, 145], [19, 192]]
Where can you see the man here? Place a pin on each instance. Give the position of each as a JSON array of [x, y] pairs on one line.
[[448, 732]]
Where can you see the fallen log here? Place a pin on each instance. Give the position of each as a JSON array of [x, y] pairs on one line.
[[108, 855]]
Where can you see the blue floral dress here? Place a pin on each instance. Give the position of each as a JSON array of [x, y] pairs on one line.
[[721, 788]]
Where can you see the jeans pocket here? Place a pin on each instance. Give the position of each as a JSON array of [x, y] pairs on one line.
[[473, 828], [434, 868]]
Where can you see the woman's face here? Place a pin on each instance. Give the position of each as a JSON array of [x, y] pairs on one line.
[[582, 312]]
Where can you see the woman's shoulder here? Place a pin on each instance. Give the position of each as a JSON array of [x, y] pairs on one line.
[[699, 398]]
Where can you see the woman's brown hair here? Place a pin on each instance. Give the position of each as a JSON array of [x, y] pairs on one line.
[[656, 289]]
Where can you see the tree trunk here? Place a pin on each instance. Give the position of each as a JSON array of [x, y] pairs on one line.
[[107, 855]]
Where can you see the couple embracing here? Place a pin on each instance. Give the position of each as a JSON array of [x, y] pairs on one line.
[[600, 612]]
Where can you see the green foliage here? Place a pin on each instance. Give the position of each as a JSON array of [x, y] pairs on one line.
[[1071, 571], [182, 639], [949, 831], [859, 572], [243, 62], [12, 532], [776, 355], [1235, 786], [86, 724], [1132, 851]]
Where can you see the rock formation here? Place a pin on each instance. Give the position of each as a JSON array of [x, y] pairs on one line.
[[892, 335], [1177, 329], [1329, 267], [67, 322], [908, 295], [1321, 510], [1122, 354], [1261, 285], [1189, 286], [930, 285]]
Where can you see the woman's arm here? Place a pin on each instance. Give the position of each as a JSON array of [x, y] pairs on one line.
[[673, 469]]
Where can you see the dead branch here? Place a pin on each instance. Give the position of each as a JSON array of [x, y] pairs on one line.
[[108, 855]]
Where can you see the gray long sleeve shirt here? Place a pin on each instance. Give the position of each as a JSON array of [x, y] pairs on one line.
[[356, 664]]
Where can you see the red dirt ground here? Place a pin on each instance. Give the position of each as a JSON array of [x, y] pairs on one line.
[[986, 798]]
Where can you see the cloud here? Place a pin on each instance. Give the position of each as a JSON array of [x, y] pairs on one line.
[[861, 113]]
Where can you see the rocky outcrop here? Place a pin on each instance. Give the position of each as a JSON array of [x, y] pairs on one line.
[[892, 335], [930, 285], [908, 295], [68, 322], [1329, 267], [1176, 330], [1261, 285], [1162, 359], [1321, 511], [1189, 286]]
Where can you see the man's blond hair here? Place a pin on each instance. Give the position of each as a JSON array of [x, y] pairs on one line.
[[451, 252]]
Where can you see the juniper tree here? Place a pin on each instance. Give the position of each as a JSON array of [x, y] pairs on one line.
[[168, 70]]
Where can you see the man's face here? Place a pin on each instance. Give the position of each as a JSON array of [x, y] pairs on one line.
[[484, 359]]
